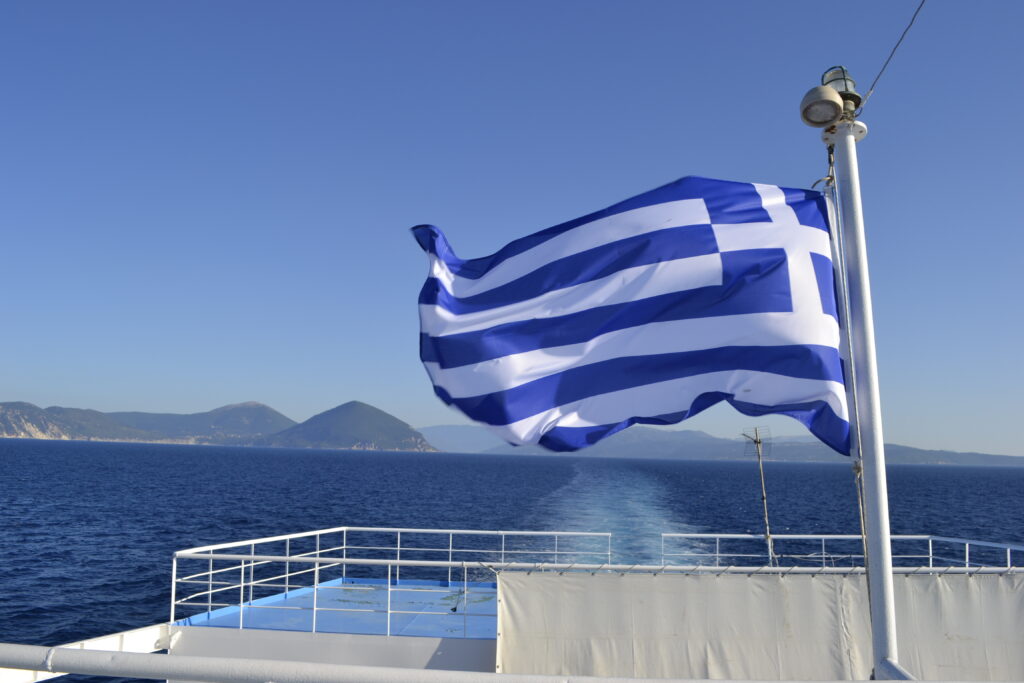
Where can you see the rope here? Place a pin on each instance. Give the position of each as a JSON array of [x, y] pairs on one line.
[[855, 440], [889, 59]]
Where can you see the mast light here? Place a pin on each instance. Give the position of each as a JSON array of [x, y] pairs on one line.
[[821, 107], [825, 104]]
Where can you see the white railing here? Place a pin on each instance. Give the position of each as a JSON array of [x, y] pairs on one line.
[[381, 579], [372, 575], [833, 550]]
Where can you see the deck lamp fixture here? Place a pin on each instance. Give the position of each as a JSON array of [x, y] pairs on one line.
[[825, 104]]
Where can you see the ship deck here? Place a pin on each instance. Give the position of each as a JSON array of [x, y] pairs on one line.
[[363, 606]]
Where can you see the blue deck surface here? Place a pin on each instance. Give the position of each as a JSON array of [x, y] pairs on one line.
[[437, 609]]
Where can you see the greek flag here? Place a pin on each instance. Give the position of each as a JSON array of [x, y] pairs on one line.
[[646, 312]]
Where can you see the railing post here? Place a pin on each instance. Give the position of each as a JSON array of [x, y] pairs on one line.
[[608, 547], [465, 602], [241, 594], [398, 556], [344, 553], [556, 548], [1008, 562], [209, 585], [503, 547], [967, 554], [823, 551], [931, 553], [252, 570], [174, 584], [388, 627], [450, 547], [316, 580], [287, 565], [718, 550]]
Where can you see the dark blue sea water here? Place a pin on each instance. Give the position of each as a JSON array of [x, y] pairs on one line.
[[87, 529]]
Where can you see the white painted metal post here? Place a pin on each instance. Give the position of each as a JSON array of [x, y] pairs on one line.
[[209, 586], [844, 136], [316, 583], [252, 571], [241, 595], [389, 602], [287, 565], [174, 585]]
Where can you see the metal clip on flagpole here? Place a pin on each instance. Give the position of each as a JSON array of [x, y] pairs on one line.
[[831, 106]]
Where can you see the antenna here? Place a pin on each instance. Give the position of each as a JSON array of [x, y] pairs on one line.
[[759, 447]]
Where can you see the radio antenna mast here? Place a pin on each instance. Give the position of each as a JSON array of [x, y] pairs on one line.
[[759, 447]]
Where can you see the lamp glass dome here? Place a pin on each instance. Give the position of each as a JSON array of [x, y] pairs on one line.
[[839, 78]]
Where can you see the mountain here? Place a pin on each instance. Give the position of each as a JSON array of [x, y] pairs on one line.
[[645, 442], [229, 424], [27, 421], [352, 425], [92, 424], [461, 438], [240, 421]]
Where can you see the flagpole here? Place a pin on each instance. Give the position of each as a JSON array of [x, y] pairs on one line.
[[842, 133], [868, 409]]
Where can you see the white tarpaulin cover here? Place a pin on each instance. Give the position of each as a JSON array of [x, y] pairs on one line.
[[739, 626]]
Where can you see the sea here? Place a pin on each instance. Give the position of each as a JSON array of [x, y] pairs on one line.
[[87, 529]]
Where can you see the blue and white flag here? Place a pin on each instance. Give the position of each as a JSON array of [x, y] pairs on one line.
[[647, 312]]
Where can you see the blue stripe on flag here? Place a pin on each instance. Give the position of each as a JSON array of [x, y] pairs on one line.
[[753, 281], [826, 284], [576, 384], [817, 416], [585, 266]]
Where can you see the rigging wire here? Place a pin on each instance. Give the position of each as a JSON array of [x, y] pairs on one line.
[[889, 58], [846, 345]]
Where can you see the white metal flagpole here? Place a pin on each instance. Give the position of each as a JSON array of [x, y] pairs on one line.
[[868, 409], [833, 108]]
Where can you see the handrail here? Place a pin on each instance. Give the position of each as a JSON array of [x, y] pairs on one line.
[[237, 670], [824, 555], [586, 567], [340, 529], [851, 537]]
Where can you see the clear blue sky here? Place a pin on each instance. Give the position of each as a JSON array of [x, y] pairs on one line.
[[205, 203]]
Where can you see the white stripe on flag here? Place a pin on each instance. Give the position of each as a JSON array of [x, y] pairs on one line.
[[587, 236], [752, 329], [630, 284], [664, 398]]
